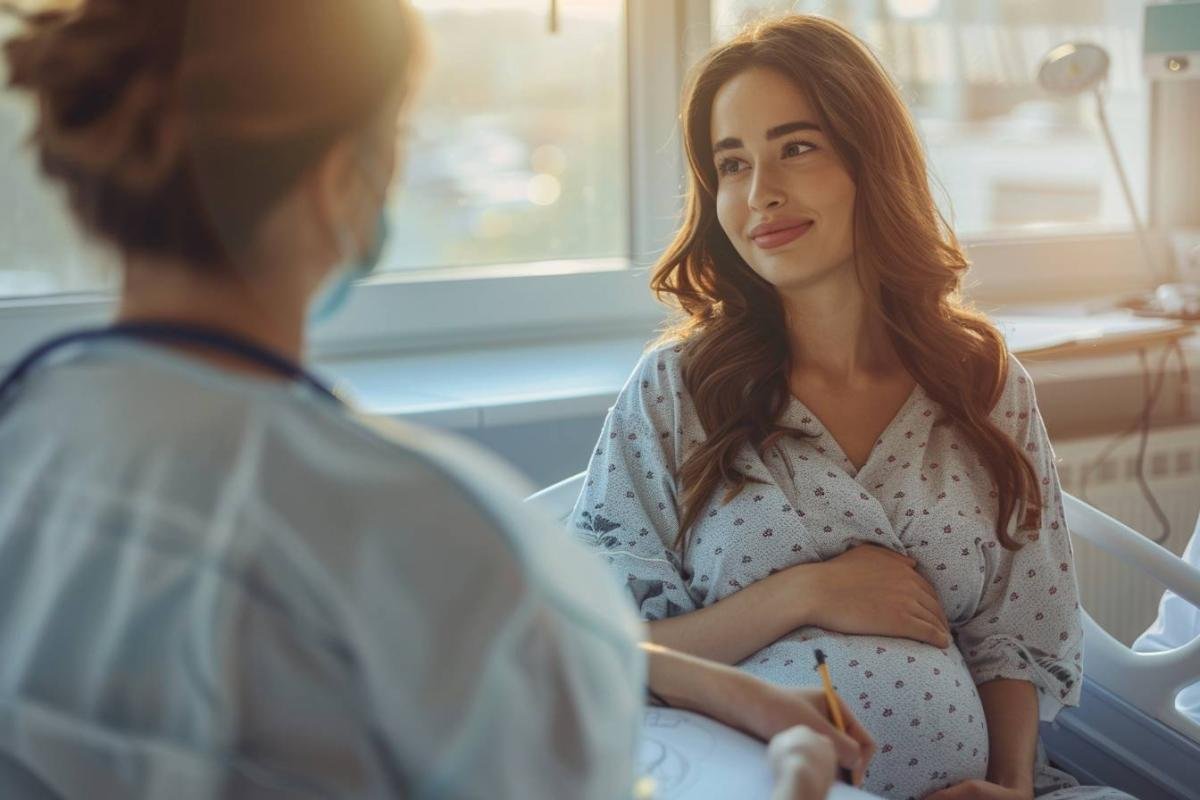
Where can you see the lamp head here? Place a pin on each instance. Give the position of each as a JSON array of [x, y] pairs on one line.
[[1073, 67]]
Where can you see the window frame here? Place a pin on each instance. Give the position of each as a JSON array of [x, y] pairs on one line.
[[468, 307]]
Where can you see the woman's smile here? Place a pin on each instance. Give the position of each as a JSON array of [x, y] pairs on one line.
[[772, 235]]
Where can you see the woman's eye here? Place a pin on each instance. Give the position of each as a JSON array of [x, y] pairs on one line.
[[796, 148], [729, 166]]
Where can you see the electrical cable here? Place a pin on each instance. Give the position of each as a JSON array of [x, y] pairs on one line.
[[1151, 391]]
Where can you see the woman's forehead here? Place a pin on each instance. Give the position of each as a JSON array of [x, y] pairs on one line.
[[755, 101]]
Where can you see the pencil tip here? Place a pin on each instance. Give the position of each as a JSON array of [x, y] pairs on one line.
[[820, 654]]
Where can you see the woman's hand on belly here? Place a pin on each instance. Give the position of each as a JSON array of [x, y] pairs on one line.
[[875, 591], [866, 590]]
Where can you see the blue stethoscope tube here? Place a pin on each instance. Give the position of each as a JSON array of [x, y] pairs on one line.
[[170, 333]]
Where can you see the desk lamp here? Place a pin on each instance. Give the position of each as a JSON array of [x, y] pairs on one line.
[[1077, 67], [1171, 51]]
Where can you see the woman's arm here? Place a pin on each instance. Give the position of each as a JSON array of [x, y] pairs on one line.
[[866, 590], [1011, 709], [1027, 624], [743, 623]]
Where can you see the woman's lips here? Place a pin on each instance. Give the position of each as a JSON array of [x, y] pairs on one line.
[[778, 236]]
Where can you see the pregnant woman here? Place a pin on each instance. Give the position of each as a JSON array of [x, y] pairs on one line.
[[828, 450]]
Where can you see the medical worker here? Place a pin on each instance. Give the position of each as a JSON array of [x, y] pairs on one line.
[[1178, 623], [216, 578]]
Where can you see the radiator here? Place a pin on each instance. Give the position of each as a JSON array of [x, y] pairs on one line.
[[1121, 598]]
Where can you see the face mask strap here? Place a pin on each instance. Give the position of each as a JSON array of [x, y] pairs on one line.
[[348, 249]]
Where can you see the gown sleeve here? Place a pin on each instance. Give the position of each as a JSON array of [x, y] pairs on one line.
[[628, 509], [1028, 624]]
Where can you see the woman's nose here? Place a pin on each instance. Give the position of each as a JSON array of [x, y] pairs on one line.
[[766, 193]]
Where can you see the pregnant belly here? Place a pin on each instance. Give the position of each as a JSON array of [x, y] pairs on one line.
[[918, 702]]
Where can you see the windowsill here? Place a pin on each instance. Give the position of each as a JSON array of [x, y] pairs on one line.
[[489, 387], [477, 388], [482, 307]]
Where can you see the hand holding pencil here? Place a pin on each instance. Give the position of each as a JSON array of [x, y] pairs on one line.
[[805, 758], [835, 707], [765, 710], [777, 713], [803, 762]]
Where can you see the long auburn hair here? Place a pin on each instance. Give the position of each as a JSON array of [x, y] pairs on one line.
[[736, 359]]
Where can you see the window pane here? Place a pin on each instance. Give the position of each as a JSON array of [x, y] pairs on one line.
[[1009, 155], [41, 251], [518, 149]]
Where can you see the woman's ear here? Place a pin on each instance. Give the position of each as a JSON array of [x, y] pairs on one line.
[[382, 153], [332, 185]]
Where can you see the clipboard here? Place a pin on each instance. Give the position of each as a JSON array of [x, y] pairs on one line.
[[1047, 337], [686, 756]]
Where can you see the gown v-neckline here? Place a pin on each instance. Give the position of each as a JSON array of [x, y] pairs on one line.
[[799, 415]]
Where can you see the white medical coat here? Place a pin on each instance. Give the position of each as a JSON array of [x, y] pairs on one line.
[[215, 585], [1178, 623]]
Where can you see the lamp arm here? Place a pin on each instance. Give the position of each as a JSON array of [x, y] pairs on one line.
[[1143, 240]]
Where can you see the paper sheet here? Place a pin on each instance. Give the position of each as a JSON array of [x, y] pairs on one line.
[[1035, 334], [690, 757]]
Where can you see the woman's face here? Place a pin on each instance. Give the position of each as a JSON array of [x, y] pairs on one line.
[[783, 197]]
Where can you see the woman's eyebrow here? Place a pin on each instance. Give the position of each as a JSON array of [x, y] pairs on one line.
[[792, 127], [733, 143], [728, 143]]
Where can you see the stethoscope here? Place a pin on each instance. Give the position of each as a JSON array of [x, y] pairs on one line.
[[170, 333]]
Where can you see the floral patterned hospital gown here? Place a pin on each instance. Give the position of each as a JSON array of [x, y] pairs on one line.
[[922, 492]]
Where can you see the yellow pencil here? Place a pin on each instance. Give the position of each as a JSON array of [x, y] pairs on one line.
[[835, 707]]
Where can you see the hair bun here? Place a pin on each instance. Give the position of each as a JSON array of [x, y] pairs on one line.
[[105, 109], [136, 143], [177, 125]]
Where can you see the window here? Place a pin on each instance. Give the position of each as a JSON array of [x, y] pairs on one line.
[[543, 166], [41, 251], [519, 145], [1010, 157], [518, 152]]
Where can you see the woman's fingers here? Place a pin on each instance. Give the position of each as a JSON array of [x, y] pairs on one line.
[[848, 751], [866, 745], [929, 595], [927, 630], [909, 617], [803, 763], [854, 747], [917, 586], [932, 608], [847, 747], [907, 560], [856, 731], [922, 592]]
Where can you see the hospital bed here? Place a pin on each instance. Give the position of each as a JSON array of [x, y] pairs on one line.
[[1127, 732]]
